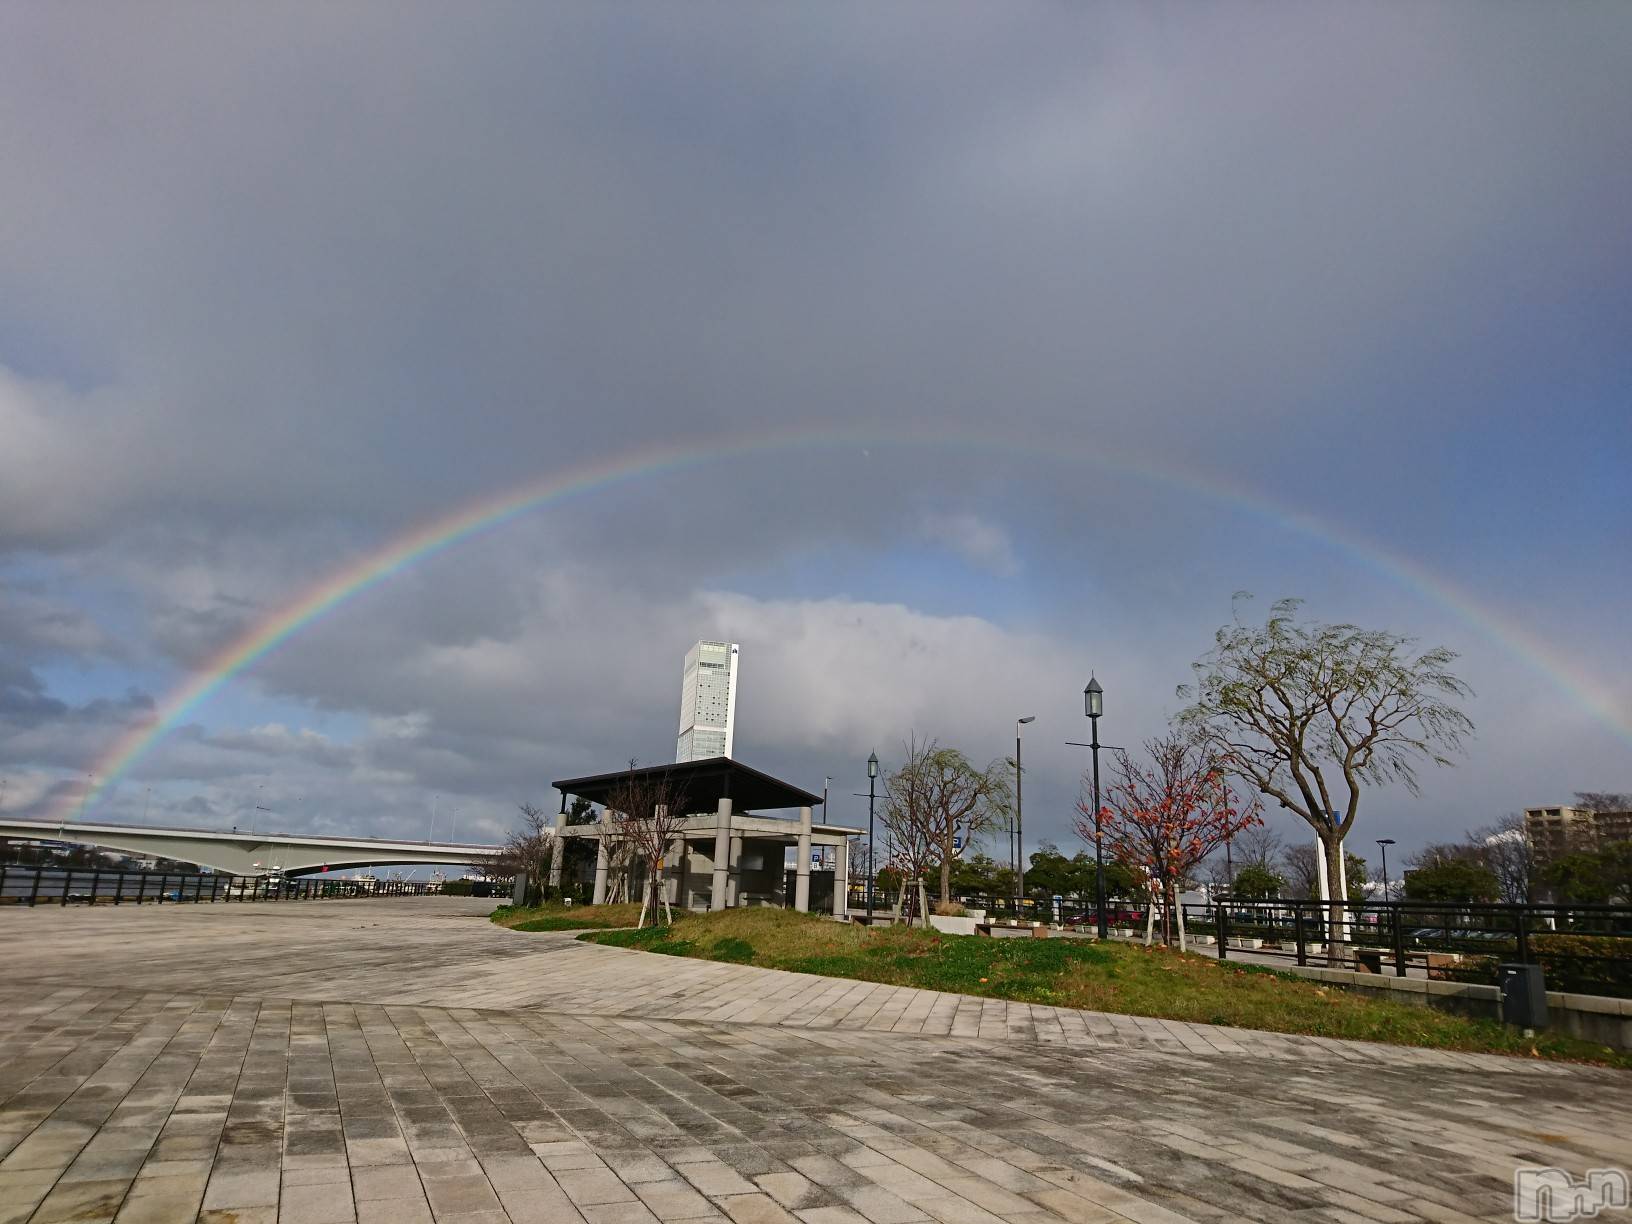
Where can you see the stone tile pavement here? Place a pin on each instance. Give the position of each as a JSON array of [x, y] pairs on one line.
[[404, 1060]]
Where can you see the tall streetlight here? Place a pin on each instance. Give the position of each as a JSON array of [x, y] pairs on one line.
[[1093, 705], [1019, 818], [872, 785], [1384, 843]]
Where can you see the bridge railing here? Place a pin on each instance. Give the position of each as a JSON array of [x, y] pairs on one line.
[[40, 885]]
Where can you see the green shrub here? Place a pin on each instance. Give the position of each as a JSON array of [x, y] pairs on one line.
[[1585, 964]]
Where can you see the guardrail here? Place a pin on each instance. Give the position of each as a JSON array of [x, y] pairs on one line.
[[32, 885]]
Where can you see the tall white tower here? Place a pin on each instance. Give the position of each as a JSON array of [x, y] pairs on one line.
[[708, 702]]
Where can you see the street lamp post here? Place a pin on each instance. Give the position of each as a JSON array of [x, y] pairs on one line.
[[1019, 820], [1383, 844], [1093, 704], [872, 783]]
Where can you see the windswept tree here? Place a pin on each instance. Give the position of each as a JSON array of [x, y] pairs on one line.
[[937, 801], [1166, 818], [650, 812], [1311, 714]]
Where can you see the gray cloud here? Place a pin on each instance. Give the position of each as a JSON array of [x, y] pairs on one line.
[[282, 284]]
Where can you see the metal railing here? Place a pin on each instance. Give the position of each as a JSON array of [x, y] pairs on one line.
[[1584, 949], [1071, 911], [38, 885]]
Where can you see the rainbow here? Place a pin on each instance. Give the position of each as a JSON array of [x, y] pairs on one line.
[[487, 514]]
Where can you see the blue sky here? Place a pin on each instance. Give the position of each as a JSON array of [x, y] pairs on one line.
[[285, 284]]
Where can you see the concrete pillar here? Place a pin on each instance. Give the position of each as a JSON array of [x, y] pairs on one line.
[[841, 878], [722, 854], [557, 853], [801, 866], [603, 860], [733, 883], [675, 871]]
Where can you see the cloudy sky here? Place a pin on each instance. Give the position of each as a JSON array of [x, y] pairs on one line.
[[988, 344]]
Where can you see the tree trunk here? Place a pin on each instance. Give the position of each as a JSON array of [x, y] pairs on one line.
[[1336, 915], [946, 881]]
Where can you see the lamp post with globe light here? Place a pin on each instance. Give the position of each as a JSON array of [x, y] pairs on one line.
[[872, 784], [1093, 705], [1019, 820]]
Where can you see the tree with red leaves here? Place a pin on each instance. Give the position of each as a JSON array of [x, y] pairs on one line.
[[1166, 818]]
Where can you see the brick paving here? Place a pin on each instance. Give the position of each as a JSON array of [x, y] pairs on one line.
[[404, 1060]]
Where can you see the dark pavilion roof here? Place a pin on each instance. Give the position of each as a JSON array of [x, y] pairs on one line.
[[704, 783]]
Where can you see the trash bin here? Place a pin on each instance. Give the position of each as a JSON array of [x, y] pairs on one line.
[[1524, 995]]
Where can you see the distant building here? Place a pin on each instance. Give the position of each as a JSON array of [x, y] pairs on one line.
[[1557, 831], [708, 702]]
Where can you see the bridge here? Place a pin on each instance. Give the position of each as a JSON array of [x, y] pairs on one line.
[[247, 853]]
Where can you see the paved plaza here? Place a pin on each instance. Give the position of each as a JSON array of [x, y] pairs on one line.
[[404, 1060]]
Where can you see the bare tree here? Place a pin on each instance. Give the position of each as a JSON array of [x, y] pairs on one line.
[[1260, 846], [1301, 867], [526, 851], [1311, 714], [651, 812], [860, 854], [946, 801], [1505, 849], [1604, 801], [909, 847]]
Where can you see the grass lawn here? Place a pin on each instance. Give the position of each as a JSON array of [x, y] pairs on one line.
[[1129, 979], [566, 917]]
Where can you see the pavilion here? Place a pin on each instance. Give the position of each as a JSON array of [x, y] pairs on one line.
[[727, 852]]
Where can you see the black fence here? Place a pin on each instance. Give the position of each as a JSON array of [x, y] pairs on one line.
[[1069, 911], [1582, 949], [29, 885]]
